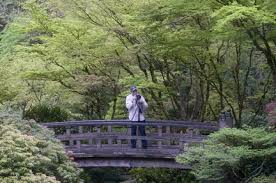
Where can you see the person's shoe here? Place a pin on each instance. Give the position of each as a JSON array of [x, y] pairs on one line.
[[144, 147], [133, 147]]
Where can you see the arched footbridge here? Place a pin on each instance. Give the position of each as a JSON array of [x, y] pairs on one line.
[[106, 143]]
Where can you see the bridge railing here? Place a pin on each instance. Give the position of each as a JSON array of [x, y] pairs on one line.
[[116, 134]]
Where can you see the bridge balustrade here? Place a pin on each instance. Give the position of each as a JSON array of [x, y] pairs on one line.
[[106, 143], [165, 138]]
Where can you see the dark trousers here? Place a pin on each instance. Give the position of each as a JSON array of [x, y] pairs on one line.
[[142, 132]]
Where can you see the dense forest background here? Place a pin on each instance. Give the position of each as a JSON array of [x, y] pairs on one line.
[[191, 59]]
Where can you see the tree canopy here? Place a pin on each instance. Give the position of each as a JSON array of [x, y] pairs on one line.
[[191, 59]]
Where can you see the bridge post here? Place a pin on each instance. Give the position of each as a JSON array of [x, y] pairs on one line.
[[186, 146], [189, 132], [98, 141], [160, 135], [168, 131], [129, 134], [225, 120], [181, 142], [109, 130], [196, 131], [68, 134], [80, 131]]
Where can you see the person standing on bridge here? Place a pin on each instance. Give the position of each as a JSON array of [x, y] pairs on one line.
[[136, 105]]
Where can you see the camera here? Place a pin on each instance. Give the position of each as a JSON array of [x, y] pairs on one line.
[[138, 97]]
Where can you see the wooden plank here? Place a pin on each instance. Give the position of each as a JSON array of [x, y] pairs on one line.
[[68, 135], [186, 146], [78, 144], [196, 131], [119, 142], [130, 163], [90, 141], [187, 137], [168, 129], [189, 124], [109, 130], [168, 132], [107, 151], [189, 132], [115, 134], [129, 134], [97, 122], [159, 135], [68, 131], [80, 129], [98, 140]]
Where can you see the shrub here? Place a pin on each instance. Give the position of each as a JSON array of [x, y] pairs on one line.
[[233, 154], [271, 110], [30, 154], [43, 113], [161, 175]]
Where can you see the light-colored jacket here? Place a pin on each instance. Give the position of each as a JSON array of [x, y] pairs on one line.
[[132, 107]]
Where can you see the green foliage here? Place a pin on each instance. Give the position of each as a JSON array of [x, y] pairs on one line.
[[159, 175], [29, 153], [253, 120], [249, 14], [190, 58], [233, 154], [30, 178], [102, 175], [9, 9], [264, 179], [43, 113], [271, 110], [240, 12]]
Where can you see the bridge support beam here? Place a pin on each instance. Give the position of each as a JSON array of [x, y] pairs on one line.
[[130, 163]]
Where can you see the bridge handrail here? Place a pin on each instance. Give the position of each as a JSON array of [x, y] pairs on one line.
[[101, 140], [106, 137], [185, 124]]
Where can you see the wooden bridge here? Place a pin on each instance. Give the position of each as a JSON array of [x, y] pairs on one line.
[[102, 143]]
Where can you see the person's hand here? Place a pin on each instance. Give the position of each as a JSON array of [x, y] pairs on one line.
[[140, 102], [138, 97]]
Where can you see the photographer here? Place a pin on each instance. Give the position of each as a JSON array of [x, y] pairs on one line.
[[136, 105]]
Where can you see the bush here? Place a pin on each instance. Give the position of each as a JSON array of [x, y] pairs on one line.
[[271, 110], [161, 175], [233, 154], [30, 154], [43, 113], [264, 179], [102, 175], [253, 120]]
